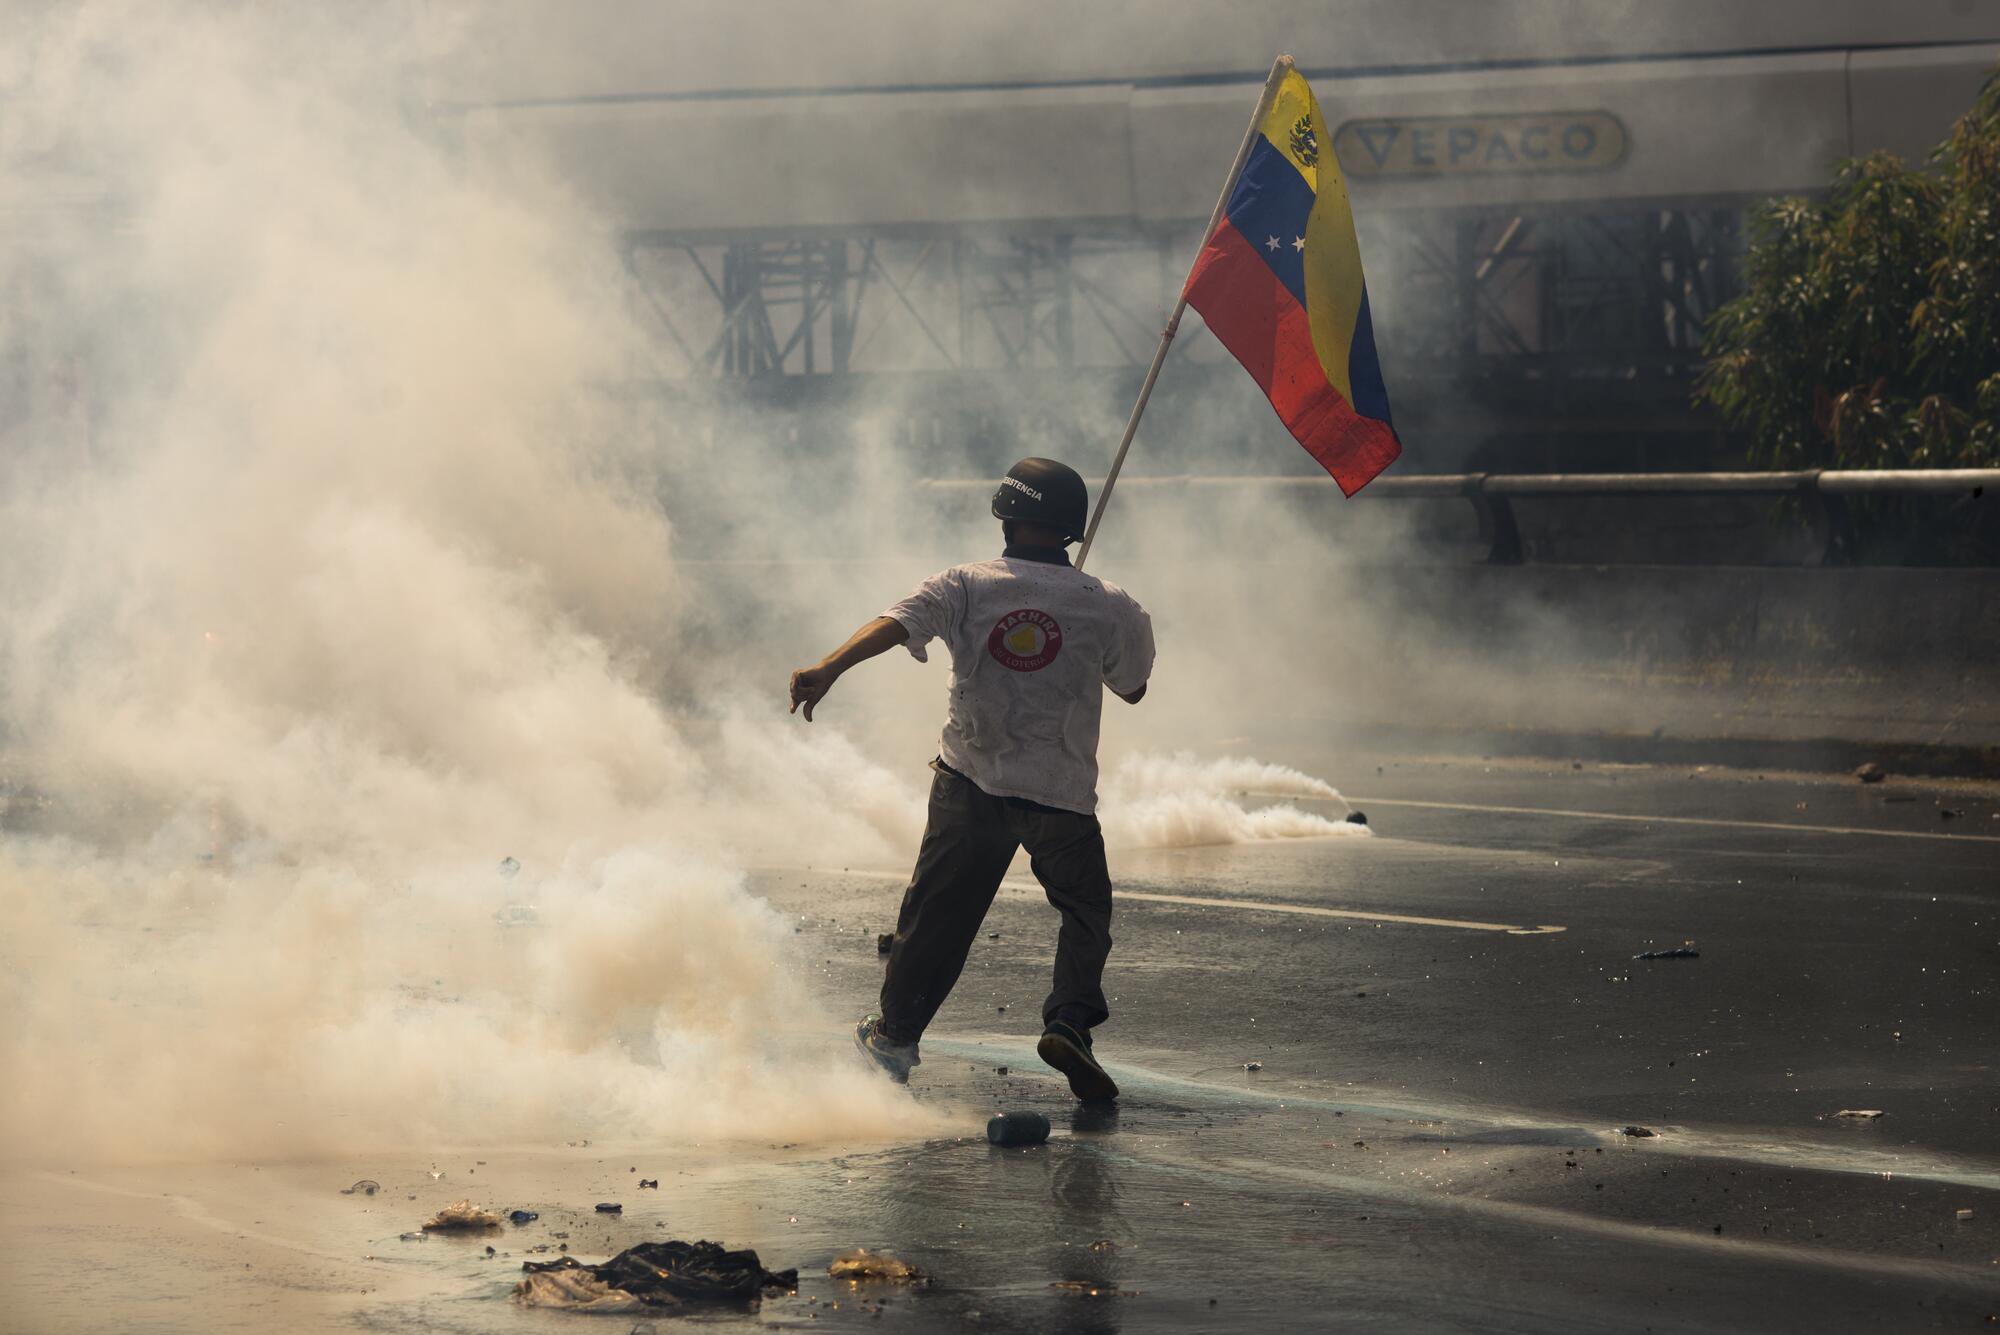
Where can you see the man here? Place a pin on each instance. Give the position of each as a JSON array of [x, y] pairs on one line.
[[1034, 642]]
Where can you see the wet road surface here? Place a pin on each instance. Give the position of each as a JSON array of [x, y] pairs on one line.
[[1432, 1139]]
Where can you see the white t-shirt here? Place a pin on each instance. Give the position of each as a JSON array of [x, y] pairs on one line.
[[1033, 645]]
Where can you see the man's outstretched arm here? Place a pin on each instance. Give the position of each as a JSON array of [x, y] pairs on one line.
[[810, 685]]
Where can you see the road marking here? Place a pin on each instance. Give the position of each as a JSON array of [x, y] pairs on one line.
[[1735, 1145], [1789, 827], [1313, 911], [1023, 883]]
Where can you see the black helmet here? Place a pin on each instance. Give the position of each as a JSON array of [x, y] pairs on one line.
[[1042, 491]]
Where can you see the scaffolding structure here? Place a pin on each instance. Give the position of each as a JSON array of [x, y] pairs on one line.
[[1495, 325], [1480, 293]]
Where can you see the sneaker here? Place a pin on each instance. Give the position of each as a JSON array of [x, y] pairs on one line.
[[894, 1059], [1067, 1048]]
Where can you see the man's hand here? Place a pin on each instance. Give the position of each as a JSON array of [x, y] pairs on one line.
[[810, 685]]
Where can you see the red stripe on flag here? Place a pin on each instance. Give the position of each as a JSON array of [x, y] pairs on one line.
[[1265, 328]]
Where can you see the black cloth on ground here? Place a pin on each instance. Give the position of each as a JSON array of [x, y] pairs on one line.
[[667, 1274]]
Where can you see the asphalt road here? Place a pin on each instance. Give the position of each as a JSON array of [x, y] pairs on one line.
[[1450, 1035], [1434, 1137]]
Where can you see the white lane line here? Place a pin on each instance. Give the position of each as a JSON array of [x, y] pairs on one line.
[[1634, 1233], [1471, 1118], [1313, 911], [1021, 883], [1789, 827]]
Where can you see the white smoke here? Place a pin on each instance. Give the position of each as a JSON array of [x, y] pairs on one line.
[[331, 575], [1172, 801], [352, 584]]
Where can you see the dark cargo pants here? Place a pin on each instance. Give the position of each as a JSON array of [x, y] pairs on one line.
[[968, 843]]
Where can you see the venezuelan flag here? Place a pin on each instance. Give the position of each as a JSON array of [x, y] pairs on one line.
[[1279, 282]]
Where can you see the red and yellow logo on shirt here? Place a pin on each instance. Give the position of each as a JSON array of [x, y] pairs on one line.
[[1026, 641]]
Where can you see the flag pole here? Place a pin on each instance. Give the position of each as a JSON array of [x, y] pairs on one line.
[[1280, 67]]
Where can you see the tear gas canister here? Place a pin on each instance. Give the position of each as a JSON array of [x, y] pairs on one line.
[[1017, 1128]]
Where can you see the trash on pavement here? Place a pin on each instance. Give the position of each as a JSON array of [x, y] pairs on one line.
[[649, 1184], [652, 1274], [1677, 953], [1017, 1128], [1357, 818], [1962, 1214], [367, 1186], [1863, 1114], [462, 1214], [610, 1207], [1637, 1131], [1871, 773], [522, 1217], [1253, 1066], [863, 1264]]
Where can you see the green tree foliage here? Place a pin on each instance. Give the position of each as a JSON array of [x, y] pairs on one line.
[[1868, 331]]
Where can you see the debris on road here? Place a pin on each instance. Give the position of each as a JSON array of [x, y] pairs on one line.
[[1860, 1114], [610, 1207], [1637, 1131], [1949, 813], [1962, 1214], [1253, 1066], [1357, 818], [1871, 773], [1104, 1245], [885, 942], [1017, 1128], [862, 1264], [1677, 953], [652, 1274], [649, 1184], [522, 1217], [367, 1186], [462, 1214], [999, 1070]]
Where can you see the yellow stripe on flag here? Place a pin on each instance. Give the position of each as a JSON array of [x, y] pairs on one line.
[[1333, 279]]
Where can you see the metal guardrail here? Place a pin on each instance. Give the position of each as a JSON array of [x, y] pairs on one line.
[[1492, 494]]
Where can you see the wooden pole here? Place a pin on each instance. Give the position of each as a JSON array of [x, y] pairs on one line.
[[1279, 69]]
